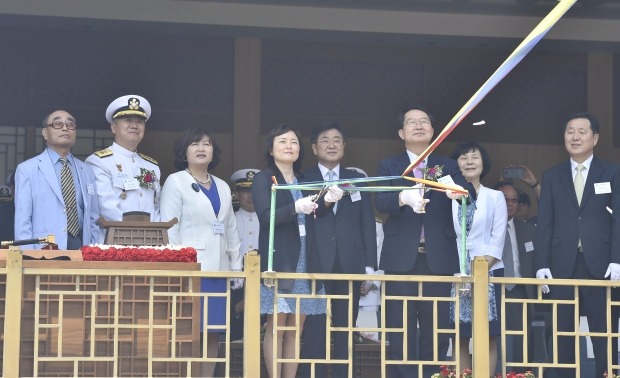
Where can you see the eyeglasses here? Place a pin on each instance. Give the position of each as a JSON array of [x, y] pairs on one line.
[[327, 142], [416, 122], [58, 125]]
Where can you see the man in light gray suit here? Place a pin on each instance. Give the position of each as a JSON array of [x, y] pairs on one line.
[[43, 205]]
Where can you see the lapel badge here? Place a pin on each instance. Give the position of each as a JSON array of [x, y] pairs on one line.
[[119, 167]]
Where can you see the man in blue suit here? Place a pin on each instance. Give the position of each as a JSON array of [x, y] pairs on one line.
[[417, 243], [42, 205], [579, 238], [344, 241]]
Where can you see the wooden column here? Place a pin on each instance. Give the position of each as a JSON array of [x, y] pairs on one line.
[[247, 142], [600, 100]]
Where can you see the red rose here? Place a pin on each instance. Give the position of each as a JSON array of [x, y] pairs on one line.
[[148, 177]]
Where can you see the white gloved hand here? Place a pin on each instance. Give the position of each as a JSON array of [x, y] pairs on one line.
[[614, 271], [454, 195], [544, 274], [237, 283], [414, 199], [305, 205], [334, 193]]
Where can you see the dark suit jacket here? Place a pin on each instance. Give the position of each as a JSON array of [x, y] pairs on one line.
[[561, 221], [349, 235], [402, 227], [287, 242], [525, 234]]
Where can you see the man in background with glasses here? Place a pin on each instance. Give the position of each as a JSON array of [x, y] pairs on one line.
[[55, 193]]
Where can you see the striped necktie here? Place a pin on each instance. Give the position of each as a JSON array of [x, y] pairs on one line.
[[68, 194]]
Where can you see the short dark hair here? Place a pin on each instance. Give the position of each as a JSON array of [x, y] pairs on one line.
[[594, 124], [501, 184], [524, 198], [401, 115], [465, 147], [326, 126], [189, 136], [277, 131]]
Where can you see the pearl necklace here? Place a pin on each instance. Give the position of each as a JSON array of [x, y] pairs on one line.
[[201, 182]]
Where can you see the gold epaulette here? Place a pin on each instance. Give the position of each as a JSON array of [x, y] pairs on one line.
[[104, 153], [148, 158]]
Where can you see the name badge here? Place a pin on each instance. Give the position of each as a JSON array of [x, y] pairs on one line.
[[131, 184], [602, 187], [90, 189], [447, 179], [302, 230], [218, 228], [356, 196], [529, 246]]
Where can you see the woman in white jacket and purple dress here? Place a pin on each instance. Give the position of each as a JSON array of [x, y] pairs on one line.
[[202, 204]]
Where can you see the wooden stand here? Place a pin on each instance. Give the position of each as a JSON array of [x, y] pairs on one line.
[[76, 319], [136, 229]]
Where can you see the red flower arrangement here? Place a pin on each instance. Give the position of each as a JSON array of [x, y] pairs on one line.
[[131, 253], [147, 178], [349, 189], [449, 372]]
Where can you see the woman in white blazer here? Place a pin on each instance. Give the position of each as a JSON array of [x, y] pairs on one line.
[[486, 220], [202, 204]]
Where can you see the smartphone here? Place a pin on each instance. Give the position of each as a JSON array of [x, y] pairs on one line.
[[514, 172]]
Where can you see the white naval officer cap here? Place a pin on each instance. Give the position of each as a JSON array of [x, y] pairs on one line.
[[358, 170], [243, 178], [129, 105]]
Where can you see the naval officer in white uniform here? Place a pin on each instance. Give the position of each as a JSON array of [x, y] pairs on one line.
[[126, 180], [248, 227], [247, 223]]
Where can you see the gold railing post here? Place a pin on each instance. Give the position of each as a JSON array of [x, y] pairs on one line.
[[252, 326], [13, 313], [481, 318]]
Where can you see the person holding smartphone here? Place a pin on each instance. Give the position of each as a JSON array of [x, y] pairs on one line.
[[524, 174]]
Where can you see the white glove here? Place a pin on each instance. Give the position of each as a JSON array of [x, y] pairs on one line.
[[305, 205], [454, 196], [237, 283], [334, 193], [544, 274], [368, 286], [614, 271], [414, 199]]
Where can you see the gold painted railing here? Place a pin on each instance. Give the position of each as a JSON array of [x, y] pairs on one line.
[[163, 328]]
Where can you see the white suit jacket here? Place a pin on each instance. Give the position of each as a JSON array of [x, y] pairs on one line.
[[196, 217], [40, 207], [488, 229]]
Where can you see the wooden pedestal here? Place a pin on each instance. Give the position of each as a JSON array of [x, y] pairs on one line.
[[78, 318]]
